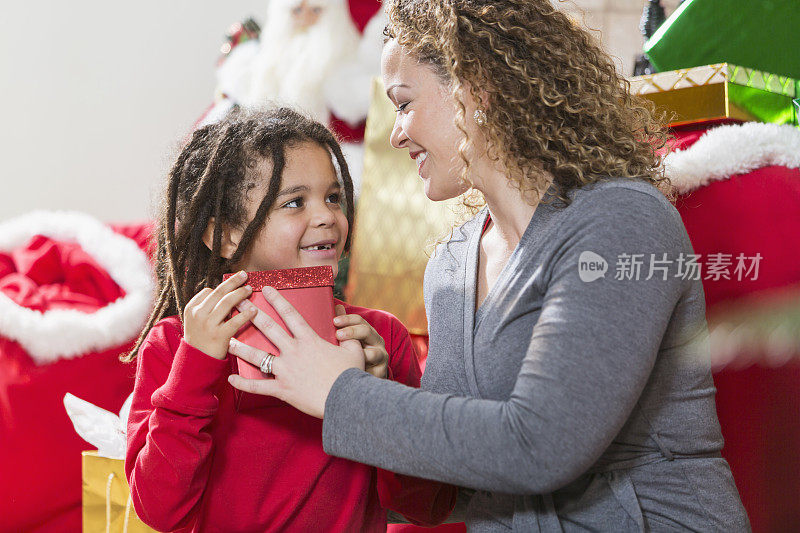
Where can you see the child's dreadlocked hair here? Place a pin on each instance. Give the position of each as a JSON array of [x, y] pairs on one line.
[[211, 178]]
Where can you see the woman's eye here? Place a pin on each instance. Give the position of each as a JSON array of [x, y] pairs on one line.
[[297, 202], [401, 108]]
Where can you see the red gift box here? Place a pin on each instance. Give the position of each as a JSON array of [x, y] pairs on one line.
[[310, 291]]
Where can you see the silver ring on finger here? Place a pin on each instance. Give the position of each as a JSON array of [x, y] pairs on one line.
[[266, 364]]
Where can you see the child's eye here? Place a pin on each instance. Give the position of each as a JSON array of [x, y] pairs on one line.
[[401, 108], [297, 202], [335, 198]]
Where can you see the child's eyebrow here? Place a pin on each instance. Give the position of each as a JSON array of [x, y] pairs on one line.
[[293, 190], [304, 188]]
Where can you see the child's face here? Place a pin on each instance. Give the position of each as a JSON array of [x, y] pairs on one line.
[[307, 225]]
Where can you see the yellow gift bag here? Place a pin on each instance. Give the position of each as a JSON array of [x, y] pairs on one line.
[[106, 497]]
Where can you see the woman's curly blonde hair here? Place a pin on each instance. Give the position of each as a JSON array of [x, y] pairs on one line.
[[554, 101]]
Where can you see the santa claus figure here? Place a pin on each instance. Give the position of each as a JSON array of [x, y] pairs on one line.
[[311, 55], [302, 43]]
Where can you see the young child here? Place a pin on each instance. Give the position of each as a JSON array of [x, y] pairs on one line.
[[257, 191]]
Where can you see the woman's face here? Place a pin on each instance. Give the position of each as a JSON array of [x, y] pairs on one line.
[[425, 121]]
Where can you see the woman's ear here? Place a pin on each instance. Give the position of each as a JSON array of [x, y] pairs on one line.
[[482, 100], [230, 240]]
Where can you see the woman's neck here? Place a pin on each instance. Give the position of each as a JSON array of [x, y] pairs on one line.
[[511, 210]]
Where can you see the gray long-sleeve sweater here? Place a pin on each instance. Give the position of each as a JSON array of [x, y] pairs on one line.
[[568, 401]]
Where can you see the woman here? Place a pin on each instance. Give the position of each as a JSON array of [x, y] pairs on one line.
[[567, 380]]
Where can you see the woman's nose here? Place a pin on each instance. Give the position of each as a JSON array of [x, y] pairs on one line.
[[398, 137]]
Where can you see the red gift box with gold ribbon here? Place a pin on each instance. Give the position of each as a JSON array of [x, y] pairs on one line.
[[310, 291]]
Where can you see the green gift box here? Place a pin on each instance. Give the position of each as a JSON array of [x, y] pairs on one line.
[[761, 34], [719, 92]]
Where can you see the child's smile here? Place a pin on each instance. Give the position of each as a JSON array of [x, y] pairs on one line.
[[321, 250]]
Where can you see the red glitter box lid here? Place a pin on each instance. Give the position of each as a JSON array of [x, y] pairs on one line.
[[289, 278]]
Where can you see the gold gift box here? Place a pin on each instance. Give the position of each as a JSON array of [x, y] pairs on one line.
[[718, 92]]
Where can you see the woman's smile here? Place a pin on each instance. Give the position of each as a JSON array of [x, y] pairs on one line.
[[420, 157]]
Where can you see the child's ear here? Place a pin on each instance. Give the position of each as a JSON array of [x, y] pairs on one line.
[[229, 244]]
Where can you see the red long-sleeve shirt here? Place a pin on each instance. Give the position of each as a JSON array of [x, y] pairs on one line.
[[196, 462]]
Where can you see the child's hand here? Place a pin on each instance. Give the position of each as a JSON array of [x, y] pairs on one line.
[[355, 327], [205, 323]]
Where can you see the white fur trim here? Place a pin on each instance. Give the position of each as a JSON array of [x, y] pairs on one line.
[[733, 149], [67, 333]]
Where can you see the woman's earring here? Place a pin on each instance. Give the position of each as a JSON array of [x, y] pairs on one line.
[[480, 117]]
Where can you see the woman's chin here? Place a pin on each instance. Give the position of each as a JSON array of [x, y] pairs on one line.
[[430, 192], [436, 195]]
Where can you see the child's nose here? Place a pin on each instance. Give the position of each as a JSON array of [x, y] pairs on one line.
[[321, 215]]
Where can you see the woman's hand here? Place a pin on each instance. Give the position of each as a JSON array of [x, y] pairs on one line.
[[355, 327], [205, 318], [307, 366]]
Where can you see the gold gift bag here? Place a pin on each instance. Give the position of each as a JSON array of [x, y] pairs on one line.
[[106, 497]]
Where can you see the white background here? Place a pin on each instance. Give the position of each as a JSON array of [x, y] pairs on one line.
[[97, 94]]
